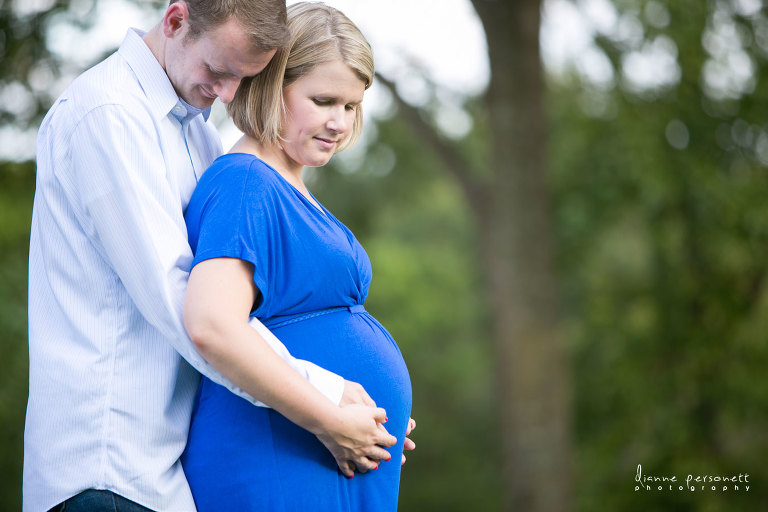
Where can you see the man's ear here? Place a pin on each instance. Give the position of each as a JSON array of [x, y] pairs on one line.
[[176, 20]]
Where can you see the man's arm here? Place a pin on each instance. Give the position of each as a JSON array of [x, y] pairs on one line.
[[135, 219], [335, 388]]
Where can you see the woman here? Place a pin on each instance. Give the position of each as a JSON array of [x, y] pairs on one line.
[[265, 246]]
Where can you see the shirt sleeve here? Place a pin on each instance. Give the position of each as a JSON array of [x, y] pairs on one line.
[[135, 220]]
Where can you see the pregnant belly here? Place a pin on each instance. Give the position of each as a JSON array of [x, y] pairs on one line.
[[266, 458], [355, 346]]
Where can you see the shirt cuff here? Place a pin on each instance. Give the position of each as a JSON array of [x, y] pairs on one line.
[[327, 383]]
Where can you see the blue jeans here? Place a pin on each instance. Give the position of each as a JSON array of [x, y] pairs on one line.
[[98, 501]]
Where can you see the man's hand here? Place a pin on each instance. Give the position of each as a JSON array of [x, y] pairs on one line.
[[356, 438], [354, 393], [408, 445]]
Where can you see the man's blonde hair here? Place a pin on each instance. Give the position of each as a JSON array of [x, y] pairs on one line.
[[318, 34]]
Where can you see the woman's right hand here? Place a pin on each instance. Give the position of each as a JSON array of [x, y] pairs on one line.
[[356, 436]]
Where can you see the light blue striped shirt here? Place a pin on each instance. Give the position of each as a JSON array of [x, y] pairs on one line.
[[110, 396]]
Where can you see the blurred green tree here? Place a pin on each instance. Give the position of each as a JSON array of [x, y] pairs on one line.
[[27, 70], [660, 182], [658, 175], [501, 172], [16, 188]]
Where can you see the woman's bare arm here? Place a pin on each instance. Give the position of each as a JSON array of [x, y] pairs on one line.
[[219, 298]]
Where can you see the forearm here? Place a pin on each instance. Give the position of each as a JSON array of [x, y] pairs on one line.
[[241, 355]]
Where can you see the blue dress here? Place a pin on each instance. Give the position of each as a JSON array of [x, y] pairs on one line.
[[313, 276]]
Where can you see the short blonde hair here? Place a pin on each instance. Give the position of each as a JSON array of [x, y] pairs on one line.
[[319, 34]]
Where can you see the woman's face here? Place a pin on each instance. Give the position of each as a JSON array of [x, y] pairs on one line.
[[320, 112]]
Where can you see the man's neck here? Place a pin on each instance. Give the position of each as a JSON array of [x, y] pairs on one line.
[[155, 40]]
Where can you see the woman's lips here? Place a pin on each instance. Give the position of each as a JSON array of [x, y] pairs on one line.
[[326, 143]]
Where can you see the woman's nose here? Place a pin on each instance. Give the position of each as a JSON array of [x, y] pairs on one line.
[[338, 121]]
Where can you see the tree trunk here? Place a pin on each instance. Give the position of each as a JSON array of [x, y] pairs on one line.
[[516, 238], [512, 207]]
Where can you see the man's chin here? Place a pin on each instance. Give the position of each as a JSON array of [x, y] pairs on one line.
[[200, 101], [203, 102]]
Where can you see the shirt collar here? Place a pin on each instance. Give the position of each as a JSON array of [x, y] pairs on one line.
[[185, 112], [161, 96]]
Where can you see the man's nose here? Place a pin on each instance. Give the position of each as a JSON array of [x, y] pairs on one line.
[[226, 89]]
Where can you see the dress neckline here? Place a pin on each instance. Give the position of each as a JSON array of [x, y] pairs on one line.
[[319, 208]]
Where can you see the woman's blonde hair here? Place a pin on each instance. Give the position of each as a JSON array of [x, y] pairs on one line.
[[319, 34]]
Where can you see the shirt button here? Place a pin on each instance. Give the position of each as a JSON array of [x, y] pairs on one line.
[[178, 109]]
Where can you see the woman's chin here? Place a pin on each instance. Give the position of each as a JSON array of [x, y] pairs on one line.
[[318, 162]]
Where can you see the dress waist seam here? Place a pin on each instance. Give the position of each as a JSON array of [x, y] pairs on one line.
[[281, 321]]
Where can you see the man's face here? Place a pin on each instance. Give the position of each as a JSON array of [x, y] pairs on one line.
[[212, 65]]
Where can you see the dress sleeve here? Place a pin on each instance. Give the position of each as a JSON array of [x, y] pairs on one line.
[[232, 215]]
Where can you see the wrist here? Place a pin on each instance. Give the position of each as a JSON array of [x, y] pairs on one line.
[[325, 420]]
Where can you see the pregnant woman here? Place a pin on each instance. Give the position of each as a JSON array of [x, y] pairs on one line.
[[265, 247]]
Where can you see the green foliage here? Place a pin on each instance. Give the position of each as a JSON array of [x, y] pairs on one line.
[[29, 69], [16, 189], [662, 250], [27, 62]]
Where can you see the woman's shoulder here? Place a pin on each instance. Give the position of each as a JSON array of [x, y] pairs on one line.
[[238, 170]]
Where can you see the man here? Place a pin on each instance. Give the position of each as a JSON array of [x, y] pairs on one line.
[[119, 154]]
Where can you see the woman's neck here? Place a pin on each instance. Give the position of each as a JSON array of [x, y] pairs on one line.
[[273, 155]]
